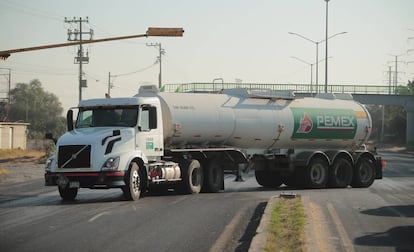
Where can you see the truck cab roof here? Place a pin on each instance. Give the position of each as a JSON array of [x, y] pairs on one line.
[[109, 102]]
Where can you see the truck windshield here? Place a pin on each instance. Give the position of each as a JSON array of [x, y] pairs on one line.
[[107, 117]]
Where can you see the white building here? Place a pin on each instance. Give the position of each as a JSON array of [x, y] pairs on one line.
[[13, 135]]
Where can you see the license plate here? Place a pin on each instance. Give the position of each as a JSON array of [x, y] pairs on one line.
[[62, 181], [74, 184]]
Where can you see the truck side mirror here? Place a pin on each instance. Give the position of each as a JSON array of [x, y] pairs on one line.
[[152, 117], [69, 120], [50, 136]]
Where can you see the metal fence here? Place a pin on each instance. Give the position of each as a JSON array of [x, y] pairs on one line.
[[298, 88]]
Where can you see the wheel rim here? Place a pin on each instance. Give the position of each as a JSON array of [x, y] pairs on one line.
[[135, 182], [214, 174], [341, 173], [195, 181], [365, 172], [317, 173]]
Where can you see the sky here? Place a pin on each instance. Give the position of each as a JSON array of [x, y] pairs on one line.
[[236, 40]]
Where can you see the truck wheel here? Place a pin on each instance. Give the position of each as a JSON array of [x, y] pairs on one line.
[[364, 173], [340, 175], [290, 181], [68, 193], [192, 177], [132, 190], [214, 177], [316, 173], [268, 179]]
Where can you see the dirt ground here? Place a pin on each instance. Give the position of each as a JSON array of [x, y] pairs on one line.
[[17, 168]]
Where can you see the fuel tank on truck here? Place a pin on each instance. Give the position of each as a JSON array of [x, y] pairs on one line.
[[262, 121]]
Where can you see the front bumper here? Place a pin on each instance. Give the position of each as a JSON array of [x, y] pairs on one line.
[[86, 179]]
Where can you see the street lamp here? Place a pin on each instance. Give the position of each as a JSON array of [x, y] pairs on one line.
[[326, 49], [317, 47], [311, 65]]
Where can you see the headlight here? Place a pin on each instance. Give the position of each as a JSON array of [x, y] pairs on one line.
[[111, 164], [48, 164]]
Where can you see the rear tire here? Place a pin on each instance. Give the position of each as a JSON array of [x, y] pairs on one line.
[[268, 179], [214, 177], [133, 188], [192, 177], [340, 175], [68, 193], [364, 173], [290, 181], [316, 173]]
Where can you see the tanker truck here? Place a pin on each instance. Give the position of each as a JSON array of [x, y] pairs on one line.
[[186, 141]]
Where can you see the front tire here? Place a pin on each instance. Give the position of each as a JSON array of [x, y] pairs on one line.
[[68, 193], [133, 188]]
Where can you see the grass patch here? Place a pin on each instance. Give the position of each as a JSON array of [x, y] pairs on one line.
[[3, 171], [19, 155], [287, 226]]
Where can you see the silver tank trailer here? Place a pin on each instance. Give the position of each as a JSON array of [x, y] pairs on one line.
[[258, 122]]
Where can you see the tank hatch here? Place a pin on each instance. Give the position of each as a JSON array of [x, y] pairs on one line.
[[261, 94]]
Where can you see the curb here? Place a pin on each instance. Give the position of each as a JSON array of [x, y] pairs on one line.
[[259, 240]]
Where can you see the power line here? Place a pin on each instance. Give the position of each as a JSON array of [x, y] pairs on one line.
[[31, 11], [110, 84], [134, 72]]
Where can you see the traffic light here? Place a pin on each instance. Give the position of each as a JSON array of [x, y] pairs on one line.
[[4, 56], [165, 32]]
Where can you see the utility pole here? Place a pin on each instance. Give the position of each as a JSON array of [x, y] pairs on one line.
[[389, 79], [8, 93], [396, 71], [161, 52], [81, 58], [108, 95]]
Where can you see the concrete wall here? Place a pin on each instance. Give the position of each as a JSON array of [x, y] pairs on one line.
[[406, 101], [13, 135]]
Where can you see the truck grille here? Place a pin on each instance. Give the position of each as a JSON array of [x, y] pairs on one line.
[[74, 156]]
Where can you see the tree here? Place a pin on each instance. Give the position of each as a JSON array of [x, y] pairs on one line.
[[395, 121], [30, 103], [376, 116], [410, 86]]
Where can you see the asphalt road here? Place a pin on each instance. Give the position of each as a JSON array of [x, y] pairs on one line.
[[380, 218]]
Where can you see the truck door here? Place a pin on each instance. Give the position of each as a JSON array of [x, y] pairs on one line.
[[150, 139]]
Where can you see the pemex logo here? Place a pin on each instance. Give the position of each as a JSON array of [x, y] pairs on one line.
[[323, 123], [306, 124]]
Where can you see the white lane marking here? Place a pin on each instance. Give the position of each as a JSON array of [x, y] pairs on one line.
[[317, 234], [225, 236], [346, 242], [97, 216]]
